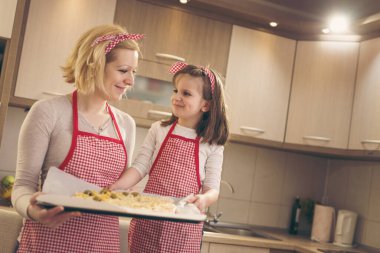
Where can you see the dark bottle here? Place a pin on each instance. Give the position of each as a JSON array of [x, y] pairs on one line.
[[294, 219]]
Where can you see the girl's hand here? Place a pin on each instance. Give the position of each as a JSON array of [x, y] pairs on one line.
[[52, 217], [200, 201]]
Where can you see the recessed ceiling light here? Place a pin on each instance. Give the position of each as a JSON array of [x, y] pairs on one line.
[[184, 1], [326, 30], [338, 24], [273, 24]]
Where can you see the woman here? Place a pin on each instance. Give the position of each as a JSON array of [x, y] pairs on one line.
[[82, 135]]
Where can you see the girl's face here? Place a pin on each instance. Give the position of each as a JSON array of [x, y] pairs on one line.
[[187, 100], [119, 74]]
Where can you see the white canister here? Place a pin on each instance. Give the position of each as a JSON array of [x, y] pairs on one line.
[[345, 228], [322, 223]]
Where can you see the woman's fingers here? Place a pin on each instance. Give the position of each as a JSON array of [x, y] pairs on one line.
[[51, 217], [60, 218], [55, 216]]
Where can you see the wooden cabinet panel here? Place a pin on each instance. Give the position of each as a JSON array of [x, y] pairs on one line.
[[7, 15], [52, 29], [322, 94], [226, 248], [205, 247], [365, 128], [169, 32], [198, 40], [258, 83]]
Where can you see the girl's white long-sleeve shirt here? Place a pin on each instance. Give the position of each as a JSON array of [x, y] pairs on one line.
[[210, 156]]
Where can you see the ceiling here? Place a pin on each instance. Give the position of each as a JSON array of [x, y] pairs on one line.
[[297, 19]]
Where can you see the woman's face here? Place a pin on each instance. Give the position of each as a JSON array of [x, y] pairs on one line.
[[119, 74]]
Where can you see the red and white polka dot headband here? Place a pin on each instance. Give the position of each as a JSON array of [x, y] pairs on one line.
[[116, 39], [179, 65]]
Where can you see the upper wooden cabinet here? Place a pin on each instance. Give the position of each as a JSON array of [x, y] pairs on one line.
[[7, 16], [258, 83], [172, 34], [365, 128], [322, 94], [52, 29]]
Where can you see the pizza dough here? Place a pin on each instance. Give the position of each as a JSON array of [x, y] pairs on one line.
[[130, 200]]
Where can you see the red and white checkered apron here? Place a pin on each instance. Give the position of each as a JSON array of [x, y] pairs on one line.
[[96, 159], [175, 172]]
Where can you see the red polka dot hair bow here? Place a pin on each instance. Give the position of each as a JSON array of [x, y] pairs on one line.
[[116, 39], [181, 65]]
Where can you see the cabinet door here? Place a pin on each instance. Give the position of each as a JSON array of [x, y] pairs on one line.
[[226, 248], [322, 94], [170, 32], [258, 83], [205, 247], [7, 16], [365, 129], [52, 29]]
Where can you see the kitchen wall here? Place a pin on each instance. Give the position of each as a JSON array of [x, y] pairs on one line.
[[266, 181], [355, 185]]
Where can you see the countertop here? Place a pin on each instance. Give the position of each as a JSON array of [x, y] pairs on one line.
[[300, 244]]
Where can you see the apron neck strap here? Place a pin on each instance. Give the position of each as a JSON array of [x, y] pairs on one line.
[[75, 111]]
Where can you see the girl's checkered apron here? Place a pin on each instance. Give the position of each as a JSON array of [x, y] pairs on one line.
[[175, 172]]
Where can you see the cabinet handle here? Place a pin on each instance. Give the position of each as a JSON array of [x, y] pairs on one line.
[[52, 93], [317, 138], [252, 129], [160, 113], [170, 56], [371, 141]]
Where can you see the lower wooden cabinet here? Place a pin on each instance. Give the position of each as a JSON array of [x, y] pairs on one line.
[[205, 247], [228, 248]]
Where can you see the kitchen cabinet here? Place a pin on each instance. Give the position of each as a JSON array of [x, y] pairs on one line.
[[170, 35], [52, 29], [205, 247], [322, 94], [7, 15], [229, 248], [258, 83], [365, 126]]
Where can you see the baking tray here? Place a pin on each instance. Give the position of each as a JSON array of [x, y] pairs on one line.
[[59, 188]]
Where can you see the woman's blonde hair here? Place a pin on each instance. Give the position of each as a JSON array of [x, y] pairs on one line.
[[213, 126], [85, 65]]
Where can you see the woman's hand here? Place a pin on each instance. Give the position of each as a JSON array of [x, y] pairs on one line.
[[52, 217]]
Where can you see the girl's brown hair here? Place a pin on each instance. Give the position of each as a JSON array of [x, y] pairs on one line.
[[213, 126], [85, 65]]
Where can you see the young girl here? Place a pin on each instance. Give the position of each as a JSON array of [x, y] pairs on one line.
[[183, 156]]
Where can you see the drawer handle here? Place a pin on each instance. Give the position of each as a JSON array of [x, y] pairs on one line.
[[160, 113], [252, 129], [170, 56], [52, 93], [317, 138], [371, 141]]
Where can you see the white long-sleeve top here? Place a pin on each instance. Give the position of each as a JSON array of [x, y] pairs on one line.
[[45, 139], [210, 156]]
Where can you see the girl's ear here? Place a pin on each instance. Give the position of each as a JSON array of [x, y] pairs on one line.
[[206, 106]]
